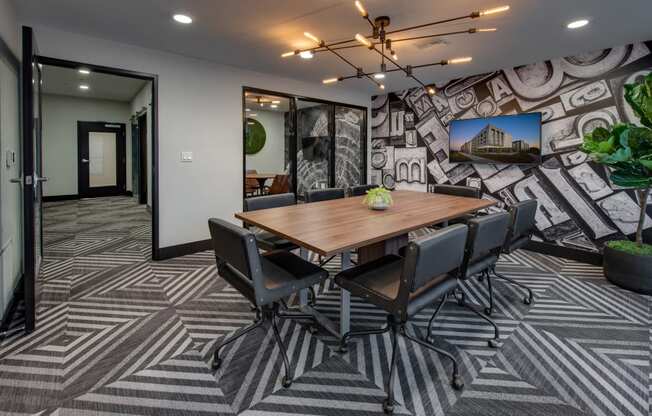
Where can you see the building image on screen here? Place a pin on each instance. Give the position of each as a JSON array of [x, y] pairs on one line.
[[502, 139]]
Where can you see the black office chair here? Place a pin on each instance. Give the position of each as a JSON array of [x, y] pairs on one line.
[[266, 240], [520, 232], [263, 279], [458, 190], [360, 190], [404, 286], [317, 195]]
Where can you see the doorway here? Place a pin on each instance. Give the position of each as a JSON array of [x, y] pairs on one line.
[[142, 159], [102, 161]]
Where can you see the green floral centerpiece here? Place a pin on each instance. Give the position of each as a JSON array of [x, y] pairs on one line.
[[378, 198], [627, 150]]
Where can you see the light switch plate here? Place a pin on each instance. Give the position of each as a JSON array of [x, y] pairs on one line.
[[186, 156]]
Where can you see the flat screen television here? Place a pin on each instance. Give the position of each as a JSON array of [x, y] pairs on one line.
[[514, 139]]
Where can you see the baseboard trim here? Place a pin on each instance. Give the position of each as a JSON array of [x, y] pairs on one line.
[[581, 256], [171, 252], [56, 198]]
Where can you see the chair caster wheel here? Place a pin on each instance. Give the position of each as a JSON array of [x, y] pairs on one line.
[[287, 381], [527, 300], [488, 311], [388, 407], [312, 329], [429, 339], [493, 343], [458, 382], [217, 362]]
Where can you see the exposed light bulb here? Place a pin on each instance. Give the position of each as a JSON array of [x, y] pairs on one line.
[[84, 87], [288, 54], [330, 80], [306, 54], [381, 86], [84, 71], [361, 8], [460, 60], [394, 56], [379, 75], [276, 102], [363, 40], [311, 37], [182, 18], [494, 10], [576, 24], [431, 91], [490, 29]]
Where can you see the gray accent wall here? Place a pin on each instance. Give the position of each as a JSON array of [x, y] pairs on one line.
[[578, 206]]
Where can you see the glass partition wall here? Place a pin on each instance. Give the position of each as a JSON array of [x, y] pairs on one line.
[[294, 144]]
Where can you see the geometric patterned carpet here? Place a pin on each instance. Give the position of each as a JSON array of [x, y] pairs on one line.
[[119, 334]]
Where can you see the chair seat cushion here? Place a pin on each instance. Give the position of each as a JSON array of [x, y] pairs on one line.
[[269, 242], [285, 273], [428, 294], [377, 281]]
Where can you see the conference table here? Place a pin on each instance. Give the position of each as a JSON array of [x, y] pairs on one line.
[[338, 226], [261, 178]]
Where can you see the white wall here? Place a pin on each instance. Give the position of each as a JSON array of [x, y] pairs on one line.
[[10, 168], [200, 111], [143, 102], [271, 158], [60, 116], [9, 28]]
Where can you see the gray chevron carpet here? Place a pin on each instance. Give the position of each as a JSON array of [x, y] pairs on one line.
[[118, 334]]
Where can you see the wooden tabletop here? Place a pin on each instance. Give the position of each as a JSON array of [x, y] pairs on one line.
[[331, 227], [261, 175]]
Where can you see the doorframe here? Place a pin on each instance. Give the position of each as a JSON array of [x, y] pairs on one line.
[[142, 159], [294, 98], [154, 151], [83, 128]]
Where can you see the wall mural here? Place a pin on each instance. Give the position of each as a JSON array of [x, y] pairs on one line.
[[578, 206], [314, 147]]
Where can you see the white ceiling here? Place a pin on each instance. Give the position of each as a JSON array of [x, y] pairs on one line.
[[253, 33], [66, 81]]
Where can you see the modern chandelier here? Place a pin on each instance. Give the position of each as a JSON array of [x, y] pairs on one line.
[[379, 41]]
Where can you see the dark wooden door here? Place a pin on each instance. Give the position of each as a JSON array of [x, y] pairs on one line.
[[102, 161], [144, 173]]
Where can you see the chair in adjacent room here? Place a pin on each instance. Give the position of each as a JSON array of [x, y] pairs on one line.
[[280, 185], [483, 246], [264, 280], [405, 286], [522, 226], [251, 185], [360, 190]]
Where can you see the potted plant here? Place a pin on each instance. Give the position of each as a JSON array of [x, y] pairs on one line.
[[378, 198], [627, 150]]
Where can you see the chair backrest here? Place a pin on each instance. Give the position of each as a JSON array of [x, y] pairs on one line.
[[523, 223], [269, 201], [485, 241], [433, 255], [251, 183], [316, 195], [457, 190], [360, 190], [237, 255], [280, 185]]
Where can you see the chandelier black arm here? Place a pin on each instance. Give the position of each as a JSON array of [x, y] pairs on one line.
[[351, 64], [396, 64], [439, 22], [439, 63]]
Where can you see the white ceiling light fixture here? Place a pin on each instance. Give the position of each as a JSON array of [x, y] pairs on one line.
[[273, 106], [306, 54], [576, 24], [379, 75], [84, 87], [84, 71], [182, 18]]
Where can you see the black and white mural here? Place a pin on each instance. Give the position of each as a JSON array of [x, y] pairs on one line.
[[578, 206], [315, 154]]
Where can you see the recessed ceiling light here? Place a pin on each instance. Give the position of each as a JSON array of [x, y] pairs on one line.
[[306, 54], [276, 102], [247, 109], [84, 71], [576, 24], [182, 18], [379, 75], [84, 87], [252, 114], [273, 106]]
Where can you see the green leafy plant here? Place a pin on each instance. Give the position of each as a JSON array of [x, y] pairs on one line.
[[627, 149], [378, 194]]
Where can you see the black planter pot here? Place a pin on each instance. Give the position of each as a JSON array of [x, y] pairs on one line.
[[628, 271]]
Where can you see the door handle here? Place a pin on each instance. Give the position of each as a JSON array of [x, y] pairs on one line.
[[84, 160], [16, 180], [42, 179]]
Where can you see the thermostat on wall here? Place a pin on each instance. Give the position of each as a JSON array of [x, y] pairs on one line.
[[186, 156]]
